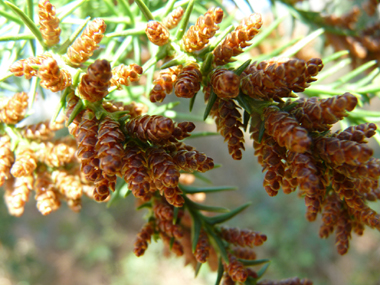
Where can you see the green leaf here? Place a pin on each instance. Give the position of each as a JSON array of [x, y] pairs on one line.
[[201, 177], [33, 90], [261, 131], [175, 215], [202, 134], [127, 9], [335, 56], [220, 272], [199, 265], [62, 49], [168, 8], [185, 21], [206, 66], [353, 74], [332, 70], [262, 271], [69, 9], [6, 76], [366, 80], [225, 217], [160, 110], [277, 51], [130, 32], [244, 102], [193, 190], [246, 118], [28, 22], [302, 43], [172, 240], [145, 205], [218, 242], [238, 71], [210, 103], [179, 60], [206, 208], [77, 109], [265, 33], [253, 262], [195, 229], [144, 10], [11, 17], [192, 101], [250, 281], [18, 37]]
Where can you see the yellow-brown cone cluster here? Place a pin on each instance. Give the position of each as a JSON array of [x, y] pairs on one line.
[[14, 110], [157, 33], [171, 21], [49, 23]]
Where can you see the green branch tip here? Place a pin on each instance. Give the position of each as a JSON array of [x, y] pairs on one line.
[[185, 21], [144, 10]]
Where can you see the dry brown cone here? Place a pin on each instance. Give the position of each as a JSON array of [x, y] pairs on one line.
[[134, 109], [124, 75], [235, 269], [225, 83], [347, 21], [343, 232], [277, 78], [177, 247], [56, 154], [86, 137], [6, 159], [229, 122], [198, 36], [49, 23], [235, 41], [358, 133], [165, 175], [110, 146], [142, 239], [244, 253], [87, 43], [104, 184], [202, 251], [135, 172], [52, 77], [171, 21], [316, 114], [188, 159], [188, 82], [242, 238], [26, 162], [164, 84], [370, 7], [304, 169], [95, 83], [46, 193], [272, 161], [332, 207], [15, 109], [24, 66], [289, 281], [67, 184], [286, 130], [43, 131], [17, 194], [156, 129], [337, 152], [157, 33]]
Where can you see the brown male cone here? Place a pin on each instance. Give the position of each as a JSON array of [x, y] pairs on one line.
[[188, 82], [17, 194], [164, 84], [235, 41], [225, 83], [125, 74], [52, 77], [95, 83], [135, 172], [198, 36], [15, 109], [277, 78], [87, 43], [143, 238], [6, 159], [23, 66], [228, 122], [49, 23], [157, 33], [242, 238], [235, 269], [46, 193], [25, 163], [171, 21], [202, 250]]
